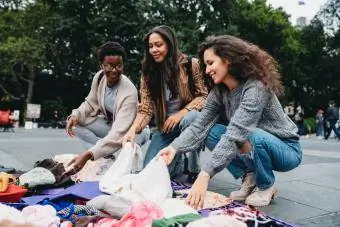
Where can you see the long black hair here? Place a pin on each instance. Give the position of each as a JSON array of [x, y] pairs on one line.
[[167, 70]]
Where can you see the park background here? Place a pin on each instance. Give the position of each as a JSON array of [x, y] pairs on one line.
[[48, 48]]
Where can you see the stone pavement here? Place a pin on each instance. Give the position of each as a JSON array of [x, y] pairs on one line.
[[308, 195]]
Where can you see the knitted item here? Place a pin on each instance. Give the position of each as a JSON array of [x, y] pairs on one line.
[[73, 212]]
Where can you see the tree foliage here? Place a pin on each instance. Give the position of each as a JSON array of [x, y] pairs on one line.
[[54, 43]]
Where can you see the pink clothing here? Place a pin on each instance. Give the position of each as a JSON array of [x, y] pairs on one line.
[[141, 215]]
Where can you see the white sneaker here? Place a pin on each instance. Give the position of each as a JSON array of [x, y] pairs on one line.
[[246, 188], [261, 198]]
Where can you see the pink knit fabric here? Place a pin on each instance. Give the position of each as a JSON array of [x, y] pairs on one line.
[[141, 215]]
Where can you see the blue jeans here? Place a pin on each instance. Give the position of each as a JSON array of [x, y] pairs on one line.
[[319, 129], [161, 140], [268, 153]]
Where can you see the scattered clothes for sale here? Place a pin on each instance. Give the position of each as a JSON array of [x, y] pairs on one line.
[[84, 190], [73, 212], [57, 169], [92, 170], [141, 215], [217, 221], [116, 206], [37, 215], [212, 199], [256, 217], [37, 176]]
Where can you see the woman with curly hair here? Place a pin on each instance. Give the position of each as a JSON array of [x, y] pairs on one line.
[[258, 137], [170, 93]]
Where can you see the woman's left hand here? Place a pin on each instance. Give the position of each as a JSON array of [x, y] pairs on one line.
[[172, 121], [198, 190]]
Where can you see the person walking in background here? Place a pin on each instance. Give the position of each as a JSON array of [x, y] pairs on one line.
[[107, 112], [259, 138], [172, 91], [319, 124], [331, 117]]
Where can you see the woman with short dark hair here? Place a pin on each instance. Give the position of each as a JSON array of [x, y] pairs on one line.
[[107, 112]]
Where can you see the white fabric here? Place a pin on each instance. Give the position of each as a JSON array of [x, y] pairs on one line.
[[116, 206], [41, 216], [38, 215], [151, 184], [174, 207], [128, 161], [10, 213]]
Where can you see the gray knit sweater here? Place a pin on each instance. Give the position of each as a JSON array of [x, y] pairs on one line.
[[251, 105]]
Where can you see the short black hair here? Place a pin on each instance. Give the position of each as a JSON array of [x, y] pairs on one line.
[[110, 49]]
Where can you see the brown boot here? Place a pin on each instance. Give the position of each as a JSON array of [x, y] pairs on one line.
[[246, 188]]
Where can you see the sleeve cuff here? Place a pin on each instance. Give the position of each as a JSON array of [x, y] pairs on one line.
[[209, 169]]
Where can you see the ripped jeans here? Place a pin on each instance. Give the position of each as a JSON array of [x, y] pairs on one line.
[[269, 153]]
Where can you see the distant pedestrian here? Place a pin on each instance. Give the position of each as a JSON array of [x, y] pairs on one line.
[[331, 117], [319, 124], [300, 123]]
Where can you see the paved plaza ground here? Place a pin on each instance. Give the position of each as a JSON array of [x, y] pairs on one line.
[[308, 195]]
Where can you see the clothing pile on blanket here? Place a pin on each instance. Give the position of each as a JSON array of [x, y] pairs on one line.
[[118, 194]]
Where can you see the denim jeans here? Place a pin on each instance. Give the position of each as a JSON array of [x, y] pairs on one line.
[[319, 129], [269, 153], [161, 140], [98, 129]]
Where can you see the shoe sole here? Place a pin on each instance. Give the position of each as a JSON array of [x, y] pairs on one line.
[[238, 198], [274, 196]]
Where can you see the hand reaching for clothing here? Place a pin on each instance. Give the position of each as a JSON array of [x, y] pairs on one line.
[[130, 135], [77, 163], [168, 154], [198, 190], [71, 122]]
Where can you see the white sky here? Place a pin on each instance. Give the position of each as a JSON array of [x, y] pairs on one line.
[[292, 7]]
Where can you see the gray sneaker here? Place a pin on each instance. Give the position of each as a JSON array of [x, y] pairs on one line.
[[246, 188]]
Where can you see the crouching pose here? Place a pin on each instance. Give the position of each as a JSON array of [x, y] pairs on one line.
[[258, 137]]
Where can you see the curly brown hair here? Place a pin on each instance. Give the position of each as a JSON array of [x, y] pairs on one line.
[[246, 60]]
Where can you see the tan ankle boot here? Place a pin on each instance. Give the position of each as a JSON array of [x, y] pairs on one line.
[[246, 188], [261, 198]]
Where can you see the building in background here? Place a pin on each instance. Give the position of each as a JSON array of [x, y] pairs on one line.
[[301, 21]]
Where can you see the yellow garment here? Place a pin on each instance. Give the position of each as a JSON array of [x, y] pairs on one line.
[[5, 179]]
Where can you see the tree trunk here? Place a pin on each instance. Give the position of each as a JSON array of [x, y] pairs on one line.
[[30, 85]]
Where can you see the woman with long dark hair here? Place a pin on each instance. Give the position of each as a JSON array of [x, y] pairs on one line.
[[171, 91]]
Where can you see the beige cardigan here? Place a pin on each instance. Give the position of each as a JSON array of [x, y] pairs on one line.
[[124, 113]]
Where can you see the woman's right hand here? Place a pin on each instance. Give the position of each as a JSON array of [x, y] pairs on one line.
[[72, 121], [167, 154], [130, 135]]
